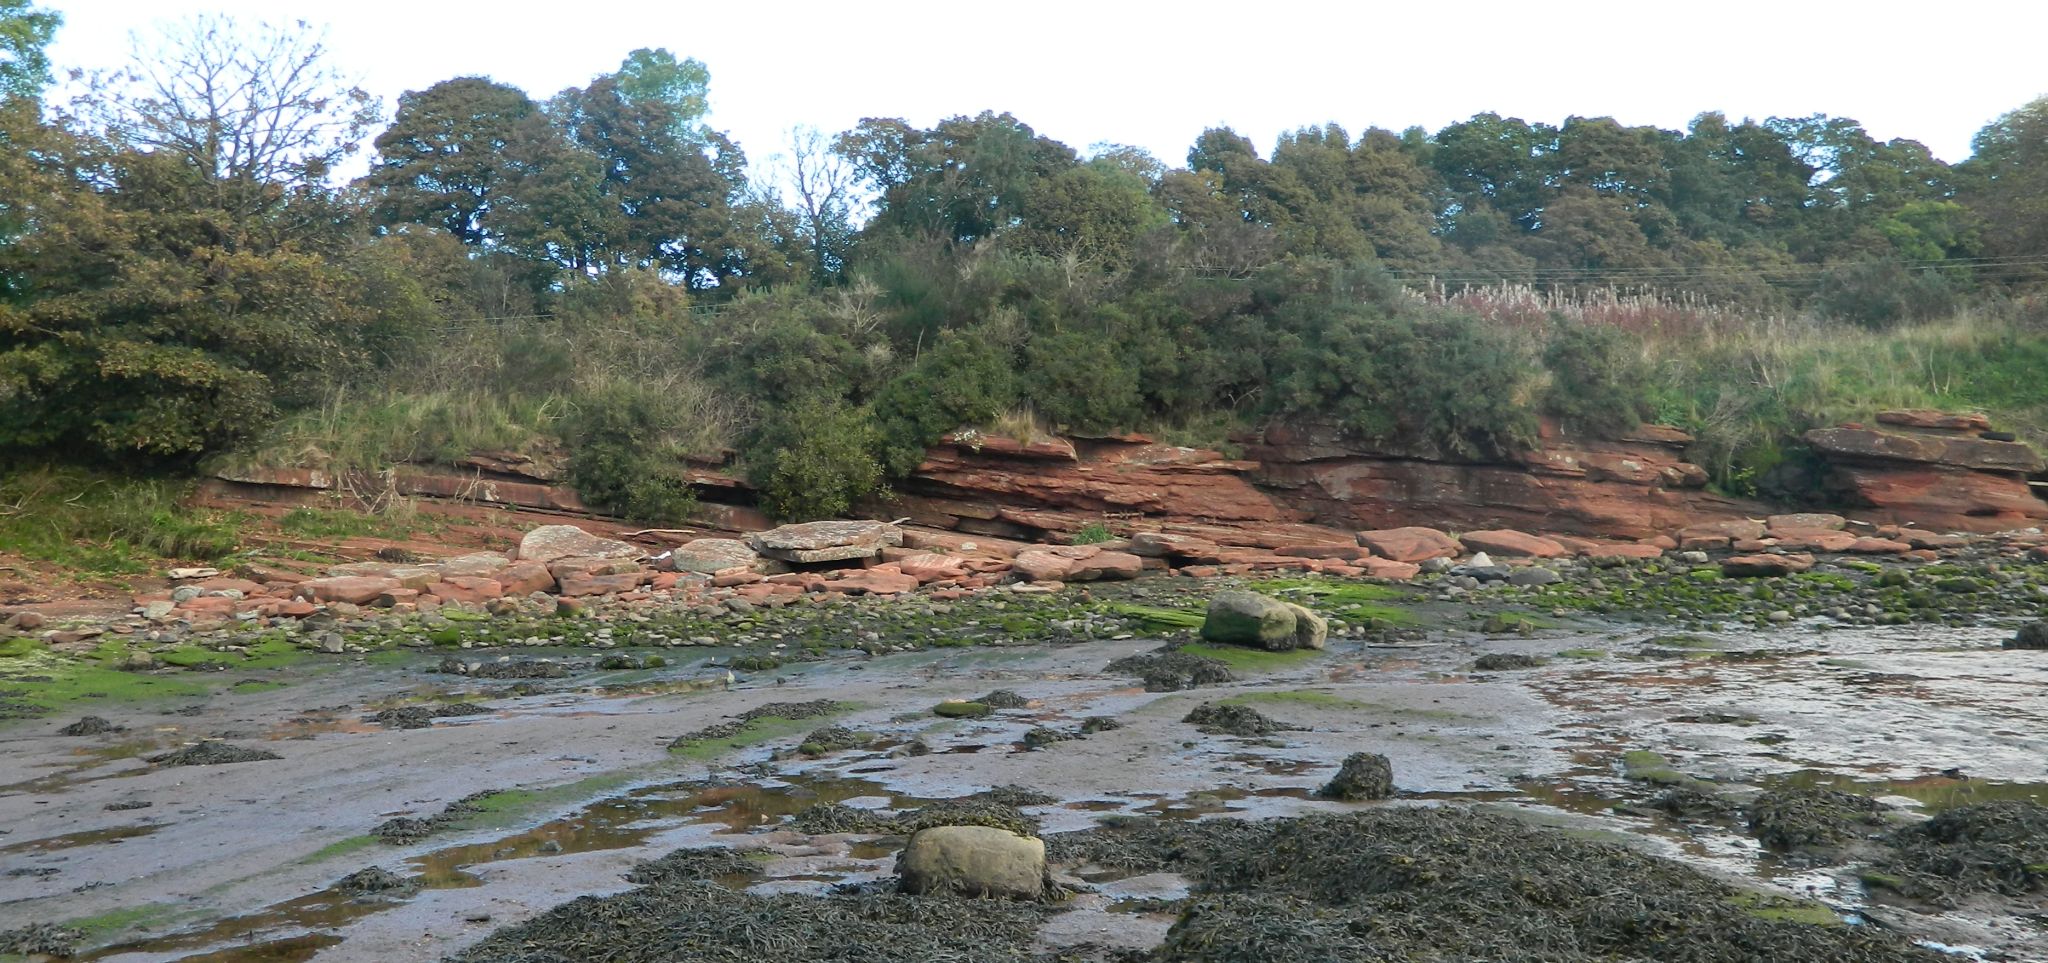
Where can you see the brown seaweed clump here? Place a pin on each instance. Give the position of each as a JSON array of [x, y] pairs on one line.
[[1004, 699], [377, 881], [690, 921], [1456, 884], [1805, 818], [739, 723], [90, 726], [1363, 776], [1234, 720], [1171, 670], [212, 753], [1997, 847], [45, 939], [700, 863]]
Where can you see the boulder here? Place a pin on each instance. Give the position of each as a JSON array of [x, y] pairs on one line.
[[2033, 635], [476, 565], [931, 566], [524, 578], [353, 589], [1726, 530], [709, 556], [1238, 617], [973, 861], [1168, 545], [577, 566], [1311, 631], [1511, 544], [826, 541], [576, 586], [1753, 566], [466, 588], [1412, 544], [1805, 520], [875, 582], [550, 542], [1041, 565], [1105, 566]]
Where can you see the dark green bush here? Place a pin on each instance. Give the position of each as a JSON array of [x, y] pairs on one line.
[[620, 458], [968, 379], [814, 459], [1598, 381]]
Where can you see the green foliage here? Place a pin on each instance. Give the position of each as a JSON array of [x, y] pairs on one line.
[[1598, 379], [964, 380], [814, 460], [107, 524], [25, 30], [1093, 533], [623, 457]]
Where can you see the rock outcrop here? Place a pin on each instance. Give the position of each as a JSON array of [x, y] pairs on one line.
[[1634, 488], [1931, 470]]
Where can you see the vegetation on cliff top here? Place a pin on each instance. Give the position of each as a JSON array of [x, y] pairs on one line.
[[602, 272]]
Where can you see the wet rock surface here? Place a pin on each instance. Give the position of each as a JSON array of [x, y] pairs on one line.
[[806, 735]]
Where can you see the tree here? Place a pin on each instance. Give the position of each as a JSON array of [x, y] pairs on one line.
[[2007, 185], [821, 192], [655, 76], [445, 154], [257, 115], [964, 180], [24, 31], [239, 104]]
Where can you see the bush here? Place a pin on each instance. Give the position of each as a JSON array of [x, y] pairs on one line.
[[814, 460], [1598, 381], [107, 523], [1080, 382], [622, 459], [965, 380]]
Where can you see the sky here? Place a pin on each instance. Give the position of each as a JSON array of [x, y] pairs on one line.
[[1155, 74]]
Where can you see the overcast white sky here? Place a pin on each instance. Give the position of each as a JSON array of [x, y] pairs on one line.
[[1156, 74]]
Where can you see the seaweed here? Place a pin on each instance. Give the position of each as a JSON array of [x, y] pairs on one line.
[[1235, 720], [212, 753]]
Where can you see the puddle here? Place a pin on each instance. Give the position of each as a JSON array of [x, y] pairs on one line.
[[1932, 793], [616, 822], [73, 840]]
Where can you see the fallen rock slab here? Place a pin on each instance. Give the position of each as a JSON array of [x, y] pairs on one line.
[[1765, 566], [353, 589], [1412, 544], [836, 541], [550, 542], [1511, 544], [709, 556]]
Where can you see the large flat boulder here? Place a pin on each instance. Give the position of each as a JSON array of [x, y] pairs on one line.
[[1411, 544], [834, 541], [353, 589], [1509, 543], [550, 542], [974, 861], [709, 556]]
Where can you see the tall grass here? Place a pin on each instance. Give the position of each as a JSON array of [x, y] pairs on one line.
[[502, 385], [102, 524]]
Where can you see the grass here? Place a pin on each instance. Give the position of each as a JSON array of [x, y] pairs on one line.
[[99, 927], [1359, 603], [398, 522], [1154, 617], [764, 729], [1746, 391], [338, 848], [65, 681], [101, 524]]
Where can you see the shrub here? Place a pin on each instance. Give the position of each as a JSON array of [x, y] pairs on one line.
[[1093, 533], [622, 459], [814, 460], [1598, 381], [964, 380]]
